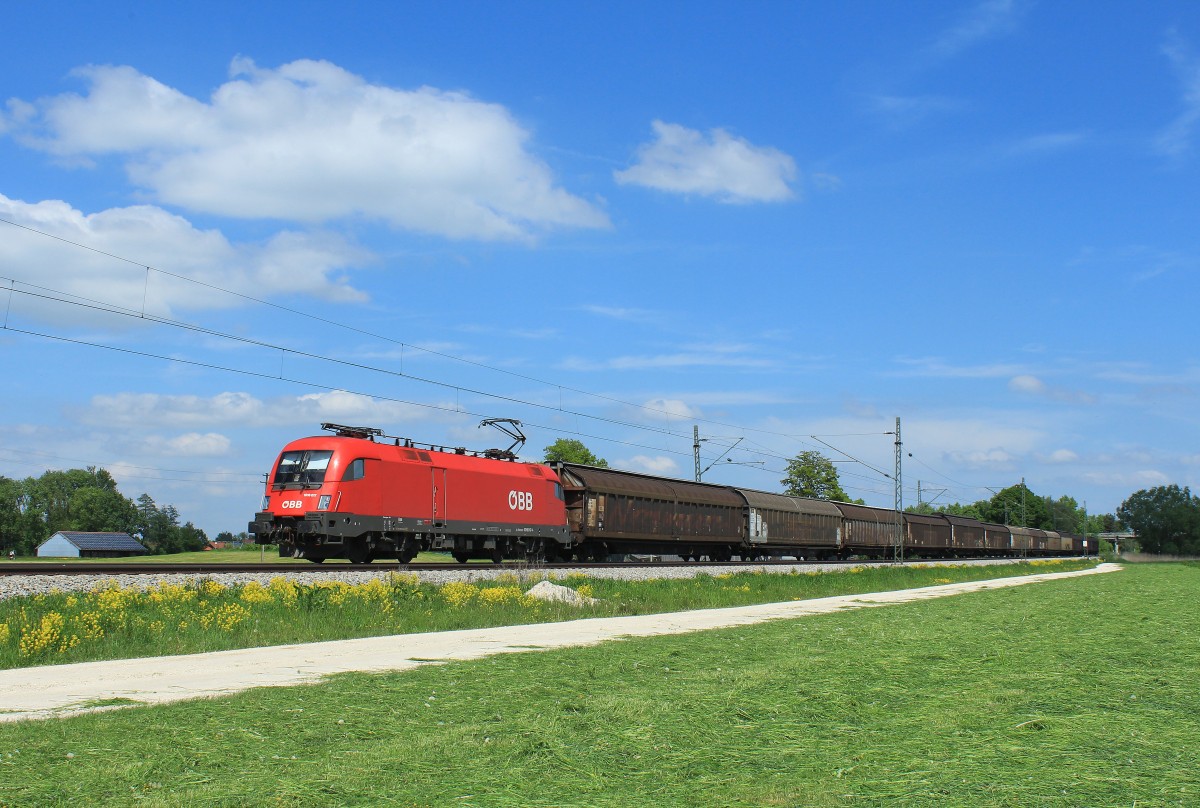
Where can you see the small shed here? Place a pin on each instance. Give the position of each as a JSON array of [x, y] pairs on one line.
[[75, 544]]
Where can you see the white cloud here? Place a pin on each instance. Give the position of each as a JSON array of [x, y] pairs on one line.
[[671, 408], [623, 313], [287, 263], [1047, 143], [651, 465], [1062, 456], [1176, 139], [232, 410], [990, 458], [906, 110], [1032, 385], [312, 142], [685, 359], [1027, 384], [1128, 479], [191, 444], [985, 20], [937, 367], [731, 169]]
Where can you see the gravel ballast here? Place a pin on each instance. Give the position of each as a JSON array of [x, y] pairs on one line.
[[24, 585]]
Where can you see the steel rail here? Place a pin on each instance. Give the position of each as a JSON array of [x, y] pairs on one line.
[[101, 568]]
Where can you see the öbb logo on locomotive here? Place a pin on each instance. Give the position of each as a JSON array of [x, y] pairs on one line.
[[382, 497], [520, 501]]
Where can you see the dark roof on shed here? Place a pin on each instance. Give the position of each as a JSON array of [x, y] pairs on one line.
[[102, 541]]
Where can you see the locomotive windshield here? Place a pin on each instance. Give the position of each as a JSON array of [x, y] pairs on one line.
[[302, 468]]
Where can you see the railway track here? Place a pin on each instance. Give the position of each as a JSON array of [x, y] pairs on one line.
[[118, 570]]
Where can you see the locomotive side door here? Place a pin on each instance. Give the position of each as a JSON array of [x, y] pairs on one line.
[[438, 490]]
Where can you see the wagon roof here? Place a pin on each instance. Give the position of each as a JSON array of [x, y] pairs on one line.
[[864, 513], [963, 521], [782, 502], [925, 518], [643, 485]]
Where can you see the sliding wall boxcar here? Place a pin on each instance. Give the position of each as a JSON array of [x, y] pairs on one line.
[[866, 529], [615, 506], [969, 534], [927, 534], [783, 525]]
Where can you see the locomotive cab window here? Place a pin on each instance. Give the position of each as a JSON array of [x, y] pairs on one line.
[[355, 471], [302, 468]]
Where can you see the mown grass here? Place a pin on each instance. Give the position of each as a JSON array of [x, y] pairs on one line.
[[114, 621], [1079, 692]]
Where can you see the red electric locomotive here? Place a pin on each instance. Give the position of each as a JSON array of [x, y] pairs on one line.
[[359, 495]]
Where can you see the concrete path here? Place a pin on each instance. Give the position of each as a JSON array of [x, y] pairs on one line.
[[61, 690]]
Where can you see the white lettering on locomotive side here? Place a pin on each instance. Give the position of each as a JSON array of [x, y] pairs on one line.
[[520, 500], [292, 503]]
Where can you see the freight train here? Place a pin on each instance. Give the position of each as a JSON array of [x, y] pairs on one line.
[[360, 495]]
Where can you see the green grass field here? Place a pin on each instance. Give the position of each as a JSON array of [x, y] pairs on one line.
[[1080, 692]]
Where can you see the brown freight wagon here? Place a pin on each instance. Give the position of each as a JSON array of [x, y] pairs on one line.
[[1055, 543], [868, 531], [1077, 545], [1022, 539], [1040, 542], [997, 539], [927, 535], [780, 525], [612, 512], [969, 535]]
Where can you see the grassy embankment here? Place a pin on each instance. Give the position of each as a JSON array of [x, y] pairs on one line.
[[1073, 693], [114, 621]]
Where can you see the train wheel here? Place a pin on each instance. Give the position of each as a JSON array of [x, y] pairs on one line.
[[359, 552], [461, 558], [497, 556], [406, 556]]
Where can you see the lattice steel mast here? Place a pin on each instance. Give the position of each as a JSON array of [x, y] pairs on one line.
[[899, 549]]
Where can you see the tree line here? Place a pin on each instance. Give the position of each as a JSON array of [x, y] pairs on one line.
[[35, 508]]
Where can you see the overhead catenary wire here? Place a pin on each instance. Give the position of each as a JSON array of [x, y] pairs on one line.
[[347, 327], [50, 294]]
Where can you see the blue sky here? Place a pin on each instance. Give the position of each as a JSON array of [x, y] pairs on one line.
[[612, 221]]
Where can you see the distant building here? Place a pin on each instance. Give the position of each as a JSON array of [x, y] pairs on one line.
[[73, 544]]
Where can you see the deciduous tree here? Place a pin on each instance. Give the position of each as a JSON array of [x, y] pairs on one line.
[[569, 450], [1166, 519], [811, 474]]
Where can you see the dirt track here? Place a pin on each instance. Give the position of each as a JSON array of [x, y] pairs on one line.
[[60, 690]]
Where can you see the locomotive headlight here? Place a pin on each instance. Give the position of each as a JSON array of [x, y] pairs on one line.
[[266, 503], [323, 503]]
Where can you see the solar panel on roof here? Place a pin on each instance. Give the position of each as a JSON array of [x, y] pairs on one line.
[[102, 541]]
